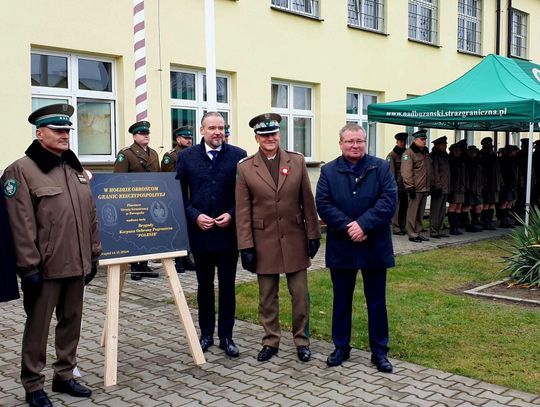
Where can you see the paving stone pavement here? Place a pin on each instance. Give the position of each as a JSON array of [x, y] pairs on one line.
[[155, 367]]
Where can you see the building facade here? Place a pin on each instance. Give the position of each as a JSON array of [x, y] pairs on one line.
[[319, 63]]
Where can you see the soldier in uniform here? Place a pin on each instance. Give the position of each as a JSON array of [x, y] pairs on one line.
[[183, 139], [440, 186], [512, 180], [278, 231], [138, 157], [399, 219], [55, 232], [492, 182], [473, 193], [458, 185], [416, 173]]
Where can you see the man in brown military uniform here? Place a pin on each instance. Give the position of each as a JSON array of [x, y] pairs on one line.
[[440, 186], [138, 157], [183, 139], [394, 158], [278, 231], [53, 219], [416, 173]]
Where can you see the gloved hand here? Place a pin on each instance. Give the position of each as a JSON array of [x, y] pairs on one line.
[[411, 192], [32, 285], [90, 276], [313, 247], [436, 192], [249, 259]]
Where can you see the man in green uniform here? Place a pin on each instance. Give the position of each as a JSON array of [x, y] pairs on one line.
[[53, 219], [138, 157]]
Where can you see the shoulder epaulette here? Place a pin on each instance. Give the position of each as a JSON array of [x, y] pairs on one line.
[[246, 158], [294, 152], [125, 148], [170, 152]]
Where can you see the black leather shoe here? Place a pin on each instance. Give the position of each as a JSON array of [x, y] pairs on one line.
[[423, 239], [206, 341], [337, 357], [415, 239], [382, 363], [229, 347], [136, 276], [38, 398], [71, 387], [187, 263], [436, 236], [303, 352], [266, 353], [179, 267]]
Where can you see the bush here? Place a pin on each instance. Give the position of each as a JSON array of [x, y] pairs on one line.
[[524, 261]]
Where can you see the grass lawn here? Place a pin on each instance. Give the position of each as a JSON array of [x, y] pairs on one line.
[[429, 323]]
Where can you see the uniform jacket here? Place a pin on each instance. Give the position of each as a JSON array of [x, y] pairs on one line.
[[369, 200], [52, 214], [510, 173], [135, 159], [475, 176], [276, 220], [416, 168], [440, 171], [458, 175], [168, 162], [394, 158], [208, 188], [9, 289], [492, 170]]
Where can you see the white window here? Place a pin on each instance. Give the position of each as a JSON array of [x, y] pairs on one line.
[[308, 8], [188, 98], [423, 20], [294, 102], [519, 34], [357, 105], [470, 26], [88, 84], [367, 14]]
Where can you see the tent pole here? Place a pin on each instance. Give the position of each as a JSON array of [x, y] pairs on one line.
[[529, 174]]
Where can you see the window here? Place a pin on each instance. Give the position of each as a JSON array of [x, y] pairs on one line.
[[88, 84], [294, 102], [308, 8], [188, 98], [367, 14], [357, 105], [519, 34], [469, 26], [423, 20]]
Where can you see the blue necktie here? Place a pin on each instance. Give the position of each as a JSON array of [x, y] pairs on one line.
[[214, 154]]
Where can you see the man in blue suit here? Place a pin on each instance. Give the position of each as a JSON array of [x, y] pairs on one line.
[[207, 173], [356, 198]]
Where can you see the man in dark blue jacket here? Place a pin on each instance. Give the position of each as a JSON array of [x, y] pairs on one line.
[[207, 173], [356, 198]]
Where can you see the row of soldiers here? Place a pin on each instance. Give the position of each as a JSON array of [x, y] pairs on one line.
[[476, 185]]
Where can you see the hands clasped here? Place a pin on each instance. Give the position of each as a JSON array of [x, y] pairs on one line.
[[205, 222], [356, 233]]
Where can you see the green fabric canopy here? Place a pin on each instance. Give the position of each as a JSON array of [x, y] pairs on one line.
[[498, 94]]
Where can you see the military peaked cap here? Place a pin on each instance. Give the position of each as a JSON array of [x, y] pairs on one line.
[[420, 134], [440, 140], [139, 127], [266, 123], [184, 131], [53, 116], [401, 136], [486, 141]]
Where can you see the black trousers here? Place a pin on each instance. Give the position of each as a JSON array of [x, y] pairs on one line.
[[206, 264], [344, 282]]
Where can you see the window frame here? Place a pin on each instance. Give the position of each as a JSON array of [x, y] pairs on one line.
[[522, 35], [362, 119], [199, 105], [287, 6], [358, 8], [423, 5], [468, 20], [290, 113], [73, 94]]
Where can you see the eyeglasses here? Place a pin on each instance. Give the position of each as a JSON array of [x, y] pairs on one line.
[[353, 142]]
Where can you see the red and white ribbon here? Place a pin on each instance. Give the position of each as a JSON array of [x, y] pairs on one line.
[[139, 47]]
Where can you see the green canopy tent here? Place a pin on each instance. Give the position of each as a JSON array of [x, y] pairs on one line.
[[498, 94]]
